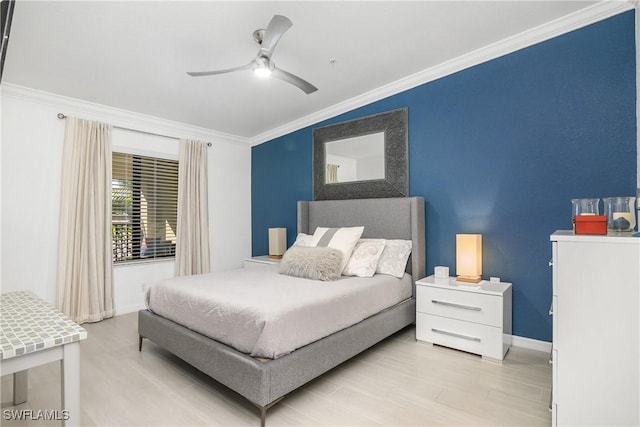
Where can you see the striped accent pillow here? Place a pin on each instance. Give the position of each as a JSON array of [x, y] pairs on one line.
[[344, 239]]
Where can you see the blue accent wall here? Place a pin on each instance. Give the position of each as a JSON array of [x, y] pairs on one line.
[[498, 149]]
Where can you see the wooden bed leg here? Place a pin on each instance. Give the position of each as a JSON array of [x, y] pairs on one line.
[[140, 343]]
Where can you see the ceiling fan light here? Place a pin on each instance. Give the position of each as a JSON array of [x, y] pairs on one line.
[[262, 72]]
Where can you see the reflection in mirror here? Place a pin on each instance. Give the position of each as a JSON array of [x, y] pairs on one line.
[[355, 159], [342, 171]]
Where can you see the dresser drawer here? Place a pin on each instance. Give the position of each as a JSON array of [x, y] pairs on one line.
[[474, 307], [485, 340]]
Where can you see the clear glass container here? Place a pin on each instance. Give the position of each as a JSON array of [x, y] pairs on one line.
[[620, 212], [584, 207]]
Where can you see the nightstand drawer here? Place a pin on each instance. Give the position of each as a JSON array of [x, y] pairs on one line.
[[469, 306], [467, 336]]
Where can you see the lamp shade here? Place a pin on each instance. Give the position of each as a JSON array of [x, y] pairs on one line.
[[277, 242], [469, 257]]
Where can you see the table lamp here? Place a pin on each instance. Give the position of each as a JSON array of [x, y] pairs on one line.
[[469, 258], [277, 242]]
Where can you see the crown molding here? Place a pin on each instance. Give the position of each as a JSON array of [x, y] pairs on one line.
[[146, 123], [116, 116], [549, 30]]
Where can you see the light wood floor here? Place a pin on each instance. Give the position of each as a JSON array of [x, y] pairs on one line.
[[398, 382]]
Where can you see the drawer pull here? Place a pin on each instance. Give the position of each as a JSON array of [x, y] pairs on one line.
[[452, 304], [453, 334]]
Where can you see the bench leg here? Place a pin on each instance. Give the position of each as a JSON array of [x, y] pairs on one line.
[[20, 387], [70, 384]]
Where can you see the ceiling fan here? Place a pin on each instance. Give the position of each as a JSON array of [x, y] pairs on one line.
[[262, 65]]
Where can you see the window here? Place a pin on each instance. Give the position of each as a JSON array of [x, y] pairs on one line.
[[144, 198]]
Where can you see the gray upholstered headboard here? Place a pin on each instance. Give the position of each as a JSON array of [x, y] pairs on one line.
[[394, 218]]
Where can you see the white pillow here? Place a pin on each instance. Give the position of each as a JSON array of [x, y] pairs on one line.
[[344, 239], [304, 240], [394, 257], [365, 257]]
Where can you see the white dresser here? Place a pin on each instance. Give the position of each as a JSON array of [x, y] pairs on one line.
[[596, 332], [473, 318]]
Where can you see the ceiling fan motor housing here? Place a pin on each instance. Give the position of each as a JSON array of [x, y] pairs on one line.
[[258, 36]]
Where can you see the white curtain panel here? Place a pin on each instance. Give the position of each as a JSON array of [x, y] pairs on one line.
[[84, 276], [192, 240], [332, 173]]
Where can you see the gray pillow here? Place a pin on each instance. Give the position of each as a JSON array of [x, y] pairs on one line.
[[317, 263]]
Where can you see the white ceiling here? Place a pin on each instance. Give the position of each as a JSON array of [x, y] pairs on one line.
[[134, 55]]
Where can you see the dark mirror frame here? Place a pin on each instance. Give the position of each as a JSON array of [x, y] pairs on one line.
[[396, 157]]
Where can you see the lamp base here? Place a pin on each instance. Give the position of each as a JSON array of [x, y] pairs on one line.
[[275, 256], [469, 279]]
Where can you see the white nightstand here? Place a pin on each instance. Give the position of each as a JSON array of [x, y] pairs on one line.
[[468, 317], [261, 261]]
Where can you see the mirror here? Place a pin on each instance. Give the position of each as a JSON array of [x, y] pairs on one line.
[[362, 158]]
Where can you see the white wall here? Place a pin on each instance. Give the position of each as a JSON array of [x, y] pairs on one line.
[[31, 155], [371, 168], [347, 168]]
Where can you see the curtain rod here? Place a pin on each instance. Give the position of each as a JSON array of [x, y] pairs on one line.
[[62, 117]]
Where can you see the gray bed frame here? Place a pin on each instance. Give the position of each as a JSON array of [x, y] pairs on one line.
[[264, 383]]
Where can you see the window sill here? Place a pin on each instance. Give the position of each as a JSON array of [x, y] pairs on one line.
[[139, 262]]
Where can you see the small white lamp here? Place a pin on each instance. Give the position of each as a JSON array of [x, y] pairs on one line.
[[277, 242], [469, 258]]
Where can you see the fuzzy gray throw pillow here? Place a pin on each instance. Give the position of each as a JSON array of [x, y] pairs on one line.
[[316, 263]]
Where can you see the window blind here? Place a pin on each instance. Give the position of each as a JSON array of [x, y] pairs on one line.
[[144, 196]]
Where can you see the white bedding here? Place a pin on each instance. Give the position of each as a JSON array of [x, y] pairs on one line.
[[266, 314]]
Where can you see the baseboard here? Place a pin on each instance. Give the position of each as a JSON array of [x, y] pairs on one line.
[[531, 344]]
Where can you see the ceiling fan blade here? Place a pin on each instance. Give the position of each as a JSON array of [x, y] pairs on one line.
[[294, 80], [277, 27], [211, 73]]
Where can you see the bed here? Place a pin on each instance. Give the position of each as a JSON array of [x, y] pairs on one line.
[[265, 382]]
